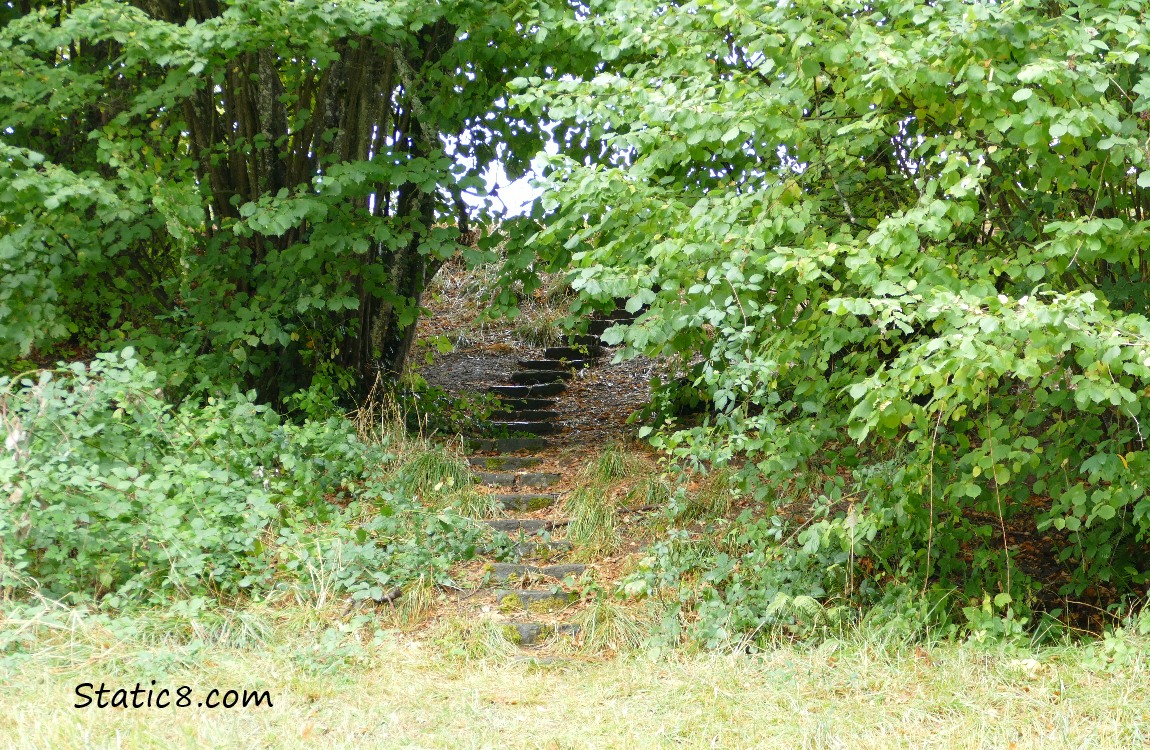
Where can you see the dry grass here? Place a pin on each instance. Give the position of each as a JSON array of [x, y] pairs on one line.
[[464, 687]]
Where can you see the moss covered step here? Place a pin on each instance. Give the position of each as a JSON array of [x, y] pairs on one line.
[[531, 428], [507, 445], [505, 571], [536, 377], [532, 633], [546, 600], [527, 503], [527, 403], [538, 415], [504, 463], [528, 391], [508, 479], [573, 362], [518, 525], [573, 354]]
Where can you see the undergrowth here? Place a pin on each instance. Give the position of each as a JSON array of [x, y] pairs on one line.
[[120, 498]]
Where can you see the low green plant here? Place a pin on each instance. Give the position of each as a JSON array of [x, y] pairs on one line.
[[121, 498]]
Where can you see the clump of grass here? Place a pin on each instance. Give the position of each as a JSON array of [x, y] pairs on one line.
[[434, 471], [379, 419], [415, 604], [714, 498], [613, 464], [470, 503], [556, 290], [652, 490], [594, 524], [609, 625], [539, 329], [474, 640]]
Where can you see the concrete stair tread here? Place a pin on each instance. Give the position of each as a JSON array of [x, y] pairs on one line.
[[598, 327], [507, 445], [517, 525], [536, 415], [527, 503], [504, 571], [531, 404], [540, 550], [588, 340], [539, 377], [523, 479], [553, 364], [533, 633], [534, 600], [528, 391], [531, 428], [573, 354], [497, 463]]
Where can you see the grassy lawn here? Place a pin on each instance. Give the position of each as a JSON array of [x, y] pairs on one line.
[[445, 689]]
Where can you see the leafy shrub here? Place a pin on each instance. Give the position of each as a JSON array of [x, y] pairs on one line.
[[115, 495], [927, 238]]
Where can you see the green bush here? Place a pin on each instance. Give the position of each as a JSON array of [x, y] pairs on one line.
[[914, 229], [115, 495]]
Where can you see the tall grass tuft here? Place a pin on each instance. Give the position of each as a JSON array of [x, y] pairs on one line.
[[715, 496], [594, 524], [415, 605], [474, 640], [608, 625], [470, 503], [652, 490], [434, 471], [613, 464], [539, 328]]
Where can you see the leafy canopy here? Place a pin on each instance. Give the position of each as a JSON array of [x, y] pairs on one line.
[[920, 227]]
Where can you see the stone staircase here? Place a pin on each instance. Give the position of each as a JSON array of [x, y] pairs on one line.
[[534, 591]]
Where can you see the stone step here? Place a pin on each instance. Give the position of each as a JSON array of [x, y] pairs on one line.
[[534, 600], [529, 416], [518, 525], [531, 428], [507, 445], [505, 571], [587, 340], [509, 479], [528, 391], [542, 550], [527, 503], [621, 314], [527, 403], [495, 478], [597, 327], [573, 354], [533, 377], [496, 463], [553, 364], [534, 633]]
